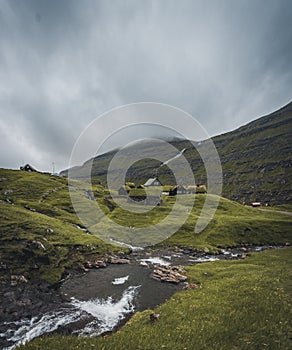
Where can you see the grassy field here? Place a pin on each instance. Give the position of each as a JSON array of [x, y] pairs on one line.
[[40, 237], [41, 213], [281, 207], [244, 304], [232, 225]]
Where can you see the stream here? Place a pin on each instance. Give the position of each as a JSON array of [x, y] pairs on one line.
[[103, 299]]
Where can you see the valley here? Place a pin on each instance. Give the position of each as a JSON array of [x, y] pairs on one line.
[[137, 291]]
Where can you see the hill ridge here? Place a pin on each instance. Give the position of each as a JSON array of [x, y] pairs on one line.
[[255, 160]]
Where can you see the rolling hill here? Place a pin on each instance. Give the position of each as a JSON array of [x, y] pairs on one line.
[[255, 158], [42, 237]]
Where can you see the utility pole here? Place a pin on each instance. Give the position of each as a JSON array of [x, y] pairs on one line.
[[53, 164]]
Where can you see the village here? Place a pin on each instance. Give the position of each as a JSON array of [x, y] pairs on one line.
[[156, 190]]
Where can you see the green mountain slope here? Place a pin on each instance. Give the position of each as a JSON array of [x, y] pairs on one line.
[[40, 233], [256, 160]]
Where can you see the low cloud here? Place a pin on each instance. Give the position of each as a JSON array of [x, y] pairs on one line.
[[64, 63]]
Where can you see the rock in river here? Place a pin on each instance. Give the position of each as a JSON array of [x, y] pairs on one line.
[[172, 274]]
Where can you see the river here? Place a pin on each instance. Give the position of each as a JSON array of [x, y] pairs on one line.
[[103, 299]]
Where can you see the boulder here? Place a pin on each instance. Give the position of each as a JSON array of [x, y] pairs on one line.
[[154, 317], [171, 274], [38, 245], [99, 263], [189, 286], [49, 230], [17, 279], [117, 260]]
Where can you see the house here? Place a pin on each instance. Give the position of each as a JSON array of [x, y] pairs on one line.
[[27, 167], [181, 189], [169, 190], [153, 182]]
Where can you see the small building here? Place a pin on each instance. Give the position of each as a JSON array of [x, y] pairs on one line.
[[153, 182], [256, 204], [28, 167], [169, 190], [181, 189]]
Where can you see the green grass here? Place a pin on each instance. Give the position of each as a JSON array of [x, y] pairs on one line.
[[255, 161], [281, 207], [232, 225], [42, 203], [243, 304]]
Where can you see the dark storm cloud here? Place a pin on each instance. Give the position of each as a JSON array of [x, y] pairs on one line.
[[62, 63]]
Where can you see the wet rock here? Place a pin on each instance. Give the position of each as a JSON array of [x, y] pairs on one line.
[[171, 274], [95, 264], [88, 265], [3, 266], [206, 250], [84, 269], [17, 279], [178, 250], [117, 260], [99, 263], [154, 317], [38, 245], [189, 286]]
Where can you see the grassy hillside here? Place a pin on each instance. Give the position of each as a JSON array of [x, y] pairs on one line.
[[256, 160], [242, 304], [232, 225], [41, 235], [38, 227]]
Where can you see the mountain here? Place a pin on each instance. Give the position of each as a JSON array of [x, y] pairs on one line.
[[255, 158]]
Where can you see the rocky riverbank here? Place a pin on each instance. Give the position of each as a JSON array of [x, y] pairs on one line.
[[107, 277]]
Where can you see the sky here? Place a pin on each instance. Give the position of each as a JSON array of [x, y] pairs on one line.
[[63, 63]]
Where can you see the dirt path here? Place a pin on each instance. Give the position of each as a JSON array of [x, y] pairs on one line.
[[277, 211]]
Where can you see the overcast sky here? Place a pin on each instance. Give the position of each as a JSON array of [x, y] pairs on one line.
[[62, 63]]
